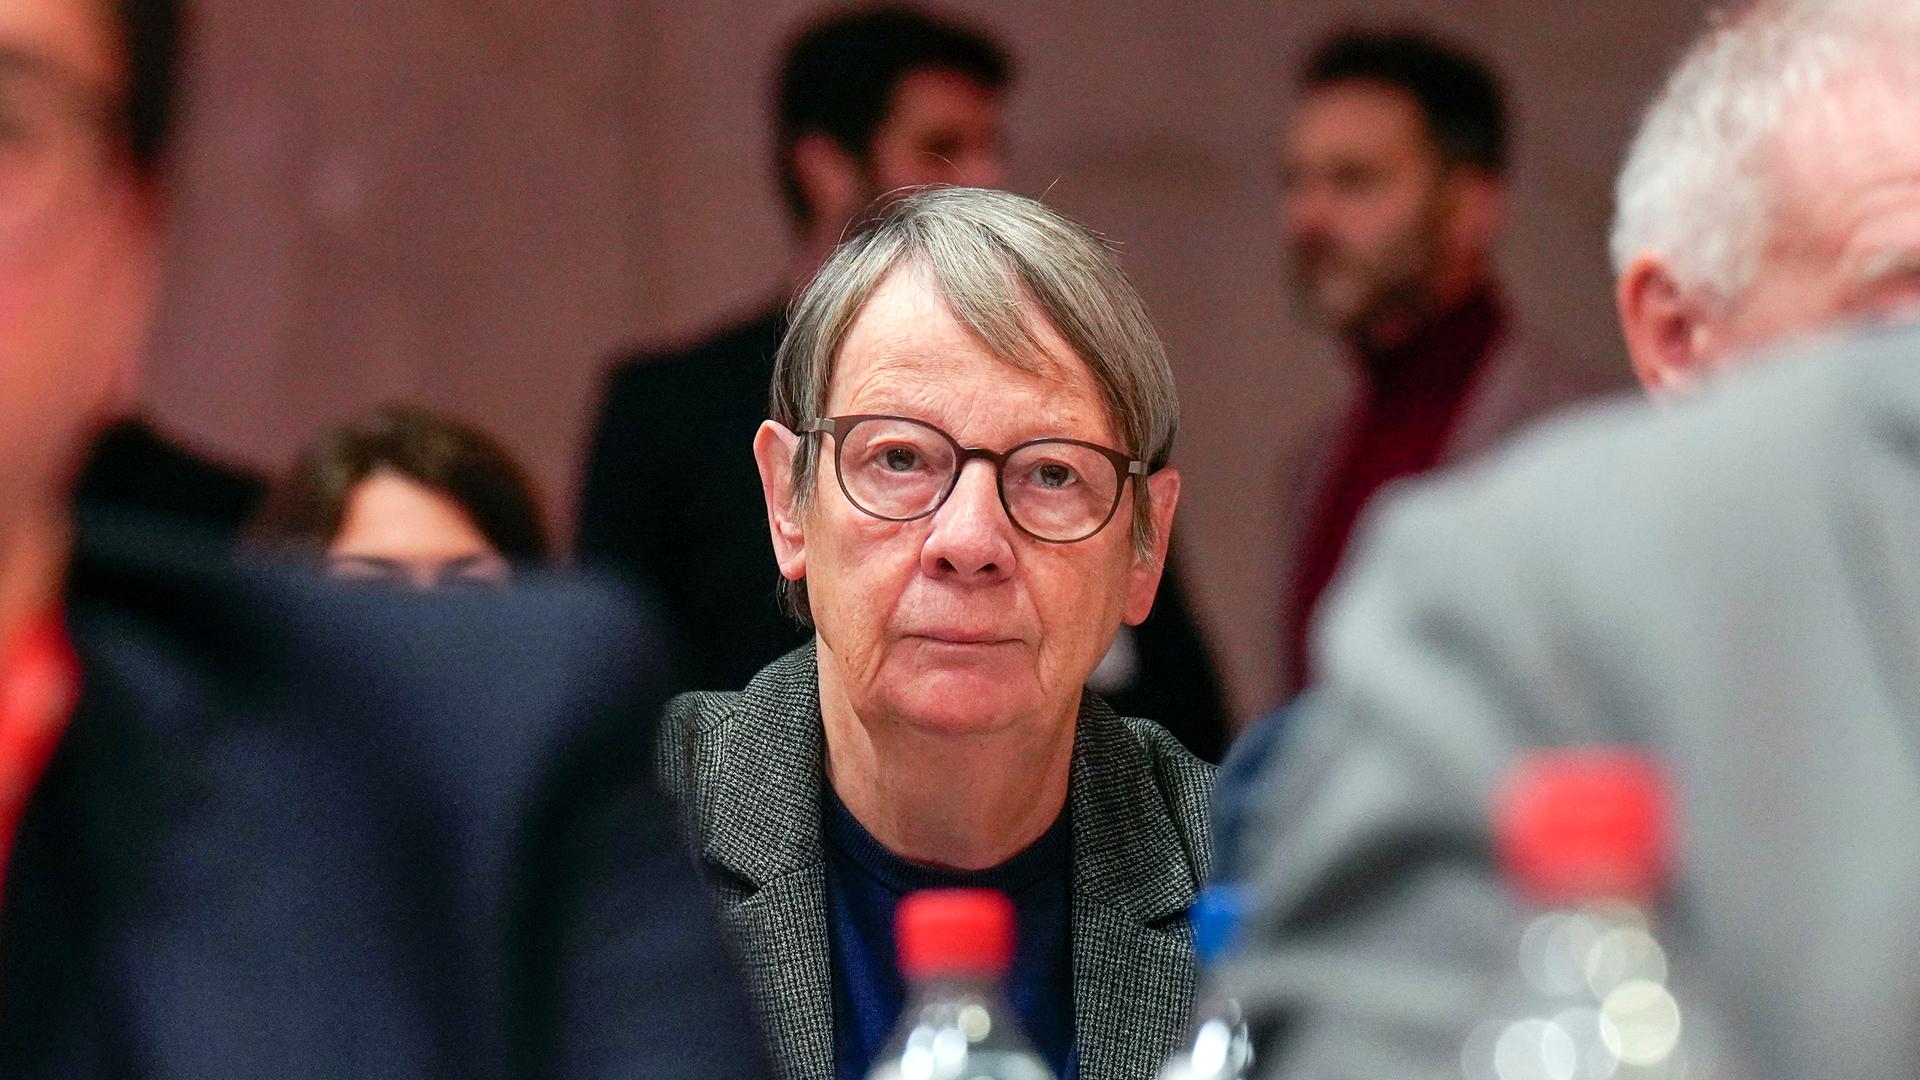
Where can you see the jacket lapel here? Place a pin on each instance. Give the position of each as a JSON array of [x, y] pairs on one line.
[[762, 773], [783, 932], [1134, 879]]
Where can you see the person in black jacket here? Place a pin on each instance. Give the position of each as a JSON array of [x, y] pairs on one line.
[[254, 823], [869, 102], [872, 102], [136, 466]]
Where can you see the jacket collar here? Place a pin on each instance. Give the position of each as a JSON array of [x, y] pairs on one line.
[[1134, 877], [764, 813], [1128, 854]]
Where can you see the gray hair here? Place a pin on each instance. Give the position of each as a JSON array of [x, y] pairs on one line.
[[1000, 261], [1697, 188]]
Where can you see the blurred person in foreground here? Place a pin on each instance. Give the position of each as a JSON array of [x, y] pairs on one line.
[[968, 495], [253, 824], [871, 100], [1394, 191], [1728, 582], [407, 497]]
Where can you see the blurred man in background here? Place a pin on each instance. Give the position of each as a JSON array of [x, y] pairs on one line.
[[1728, 584], [870, 102], [252, 824], [1394, 191]]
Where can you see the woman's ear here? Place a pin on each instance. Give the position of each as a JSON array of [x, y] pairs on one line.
[[773, 450], [1143, 581]]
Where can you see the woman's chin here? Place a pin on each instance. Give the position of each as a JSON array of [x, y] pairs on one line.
[[966, 702]]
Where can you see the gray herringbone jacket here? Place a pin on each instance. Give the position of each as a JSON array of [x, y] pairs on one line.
[[746, 769]]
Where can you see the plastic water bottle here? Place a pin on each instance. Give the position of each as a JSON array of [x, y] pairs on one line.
[[956, 946], [1218, 1046], [1584, 837]]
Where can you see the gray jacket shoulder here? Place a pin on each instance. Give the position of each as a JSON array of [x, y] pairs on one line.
[[690, 722], [1185, 781], [1141, 804]]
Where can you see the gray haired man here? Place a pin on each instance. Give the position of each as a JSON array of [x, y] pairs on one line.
[[1774, 187]]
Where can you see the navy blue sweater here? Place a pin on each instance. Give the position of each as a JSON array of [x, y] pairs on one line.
[[864, 883]]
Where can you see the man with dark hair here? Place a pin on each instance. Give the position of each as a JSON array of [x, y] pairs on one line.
[[869, 102], [1395, 180], [882, 99], [255, 824]]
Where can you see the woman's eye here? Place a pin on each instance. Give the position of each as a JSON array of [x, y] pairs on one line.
[[898, 459], [1052, 475]]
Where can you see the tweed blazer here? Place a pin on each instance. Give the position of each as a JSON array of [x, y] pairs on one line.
[[746, 769]]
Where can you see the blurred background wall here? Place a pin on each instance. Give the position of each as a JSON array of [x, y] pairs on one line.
[[474, 205]]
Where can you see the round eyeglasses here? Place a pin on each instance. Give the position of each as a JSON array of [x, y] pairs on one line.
[[898, 469]]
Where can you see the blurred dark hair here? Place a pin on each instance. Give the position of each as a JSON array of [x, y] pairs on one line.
[[151, 33], [841, 72], [1458, 94], [309, 504]]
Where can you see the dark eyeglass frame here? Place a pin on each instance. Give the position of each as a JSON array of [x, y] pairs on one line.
[[1124, 468]]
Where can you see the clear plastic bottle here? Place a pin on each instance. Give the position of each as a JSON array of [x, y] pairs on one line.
[[956, 946], [1218, 1045], [1584, 837]]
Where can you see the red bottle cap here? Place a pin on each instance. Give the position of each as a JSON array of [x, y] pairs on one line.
[[1587, 824], [954, 932]]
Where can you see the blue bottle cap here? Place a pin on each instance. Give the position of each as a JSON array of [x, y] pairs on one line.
[[1216, 916]]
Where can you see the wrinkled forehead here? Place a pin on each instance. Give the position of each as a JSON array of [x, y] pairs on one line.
[[911, 338], [76, 39]]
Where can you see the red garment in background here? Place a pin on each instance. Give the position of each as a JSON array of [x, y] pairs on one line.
[[1413, 395], [39, 681]]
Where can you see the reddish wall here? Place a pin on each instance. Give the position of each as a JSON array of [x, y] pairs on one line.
[[470, 205]]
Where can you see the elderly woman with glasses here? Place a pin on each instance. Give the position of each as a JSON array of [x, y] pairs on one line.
[[967, 487]]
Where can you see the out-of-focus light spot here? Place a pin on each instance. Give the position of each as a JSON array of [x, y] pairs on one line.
[[1534, 1049], [1641, 1022], [916, 1063], [1210, 1048], [1621, 955], [975, 1022], [1593, 1059], [1553, 952], [949, 1051]]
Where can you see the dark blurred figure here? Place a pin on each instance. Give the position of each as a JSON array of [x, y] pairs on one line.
[[134, 466], [253, 824], [408, 497], [1394, 191], [870, 101]]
